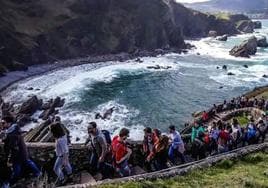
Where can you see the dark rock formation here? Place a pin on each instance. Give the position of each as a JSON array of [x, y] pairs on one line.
[[222, 38], [262, 42], [212, 34], [33, 32], [224, 67], [230, 74], [49, 108], [247, 48], [257, 25], [30, 106], [265, 76], [246, 66], [246, 26]]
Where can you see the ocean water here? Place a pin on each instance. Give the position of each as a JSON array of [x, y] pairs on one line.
[[145, 97]]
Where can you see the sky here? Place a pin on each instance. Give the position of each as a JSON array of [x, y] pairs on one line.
[[191, 1]]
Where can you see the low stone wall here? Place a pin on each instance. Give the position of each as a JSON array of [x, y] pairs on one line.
[[185, 168], [44, 155]]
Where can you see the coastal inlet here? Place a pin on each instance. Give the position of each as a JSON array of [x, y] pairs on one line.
[[156, 92]]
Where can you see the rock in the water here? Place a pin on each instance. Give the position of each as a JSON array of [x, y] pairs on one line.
[[49, 107], [262, 42], [257, 25], [139, 60], [230, 74], [23, 119], [247, 48], [154, 67], [246, 26], [265, 76], [30, 106], [184, 51], [212, 34], [58, 102], [222, 38], [29, 88], [198, 53], [224, 67], [246, 66], [217, 67]]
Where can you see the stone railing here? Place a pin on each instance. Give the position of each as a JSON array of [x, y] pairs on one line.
[[182, 169]]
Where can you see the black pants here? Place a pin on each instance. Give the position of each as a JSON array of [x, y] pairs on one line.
[[104, 168]]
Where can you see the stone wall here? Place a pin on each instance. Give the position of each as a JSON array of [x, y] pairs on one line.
[[44, 155]]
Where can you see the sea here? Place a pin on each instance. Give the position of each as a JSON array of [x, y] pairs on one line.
[[144, 97]]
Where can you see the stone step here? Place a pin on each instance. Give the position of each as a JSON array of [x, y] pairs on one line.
[[137, 170], [87, 178]]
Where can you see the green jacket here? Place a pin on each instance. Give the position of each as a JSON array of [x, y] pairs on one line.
[[196, 131]]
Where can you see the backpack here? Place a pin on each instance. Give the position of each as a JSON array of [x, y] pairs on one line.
[[107, 136], [251, 133]]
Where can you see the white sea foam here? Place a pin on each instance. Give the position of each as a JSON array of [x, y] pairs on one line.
[[243, 77], [67, 81], [77, 121]]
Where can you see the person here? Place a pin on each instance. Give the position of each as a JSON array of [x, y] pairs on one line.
[[121, 153], [148, 141], [223, 140], [16, 150], [196, 129], [205, 116], [236, 133], [57, 119], [148, 144], [262, 128], [199, 146], [176, 145], [214, 135], [99, 150], [156, 135], [62, 153], [251, 132], [159, 156]]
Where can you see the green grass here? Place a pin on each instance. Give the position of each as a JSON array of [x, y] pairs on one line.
[[223, 16], [264, 94], [250, 171], [243, 120]]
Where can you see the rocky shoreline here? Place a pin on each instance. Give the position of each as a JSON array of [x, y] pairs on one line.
[[16, 76]]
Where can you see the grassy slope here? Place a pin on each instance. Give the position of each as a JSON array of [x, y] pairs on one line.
[[250, 171]]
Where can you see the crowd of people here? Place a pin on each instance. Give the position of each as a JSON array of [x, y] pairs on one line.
[[110, 156], [235, 103]]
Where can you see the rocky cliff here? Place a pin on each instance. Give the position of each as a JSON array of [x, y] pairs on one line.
[[42, 31]]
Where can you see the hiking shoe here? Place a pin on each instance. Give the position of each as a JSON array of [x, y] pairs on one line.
[[70, 178], [60, 183]]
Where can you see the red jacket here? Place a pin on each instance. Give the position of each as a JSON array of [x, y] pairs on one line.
[[119, 149]]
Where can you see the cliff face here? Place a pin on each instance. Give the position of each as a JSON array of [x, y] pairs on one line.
[[41, 31]]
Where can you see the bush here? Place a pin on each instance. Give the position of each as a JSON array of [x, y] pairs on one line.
[[225, 164], [254, 158]]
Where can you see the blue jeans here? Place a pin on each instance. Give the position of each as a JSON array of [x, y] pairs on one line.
[[18, 166], [124, 169], [58, 168], [174, 151]]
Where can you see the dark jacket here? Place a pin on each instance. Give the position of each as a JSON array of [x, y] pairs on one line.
[[15, 147]]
